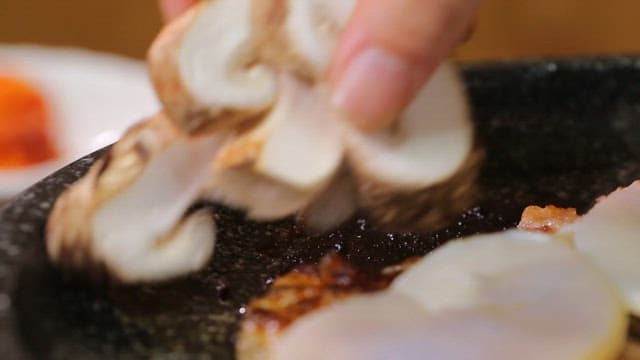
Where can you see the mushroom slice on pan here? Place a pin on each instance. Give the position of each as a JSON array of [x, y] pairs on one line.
[[299, 142], [305, 149], [266, 199], [333, 206], [420, 173], [128, 215], [262, 198], [276, 168], [204, 67], [509, 295]]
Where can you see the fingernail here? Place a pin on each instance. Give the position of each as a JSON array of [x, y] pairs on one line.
[[373, 88], [171, 9]]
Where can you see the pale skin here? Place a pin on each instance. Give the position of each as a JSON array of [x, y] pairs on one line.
[[397, 43]]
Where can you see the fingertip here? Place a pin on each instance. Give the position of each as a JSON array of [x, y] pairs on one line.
[[388, 50], [171, 9], [373, 88]]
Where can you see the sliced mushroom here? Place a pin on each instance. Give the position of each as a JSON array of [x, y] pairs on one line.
[[306, 150], [262, 198], [303, 33], [314, 26], [128, 215], [222, 81], [414, 176], [333, 206], [215, 65], [298, 143], [204, 67], [276, 168], [420, 173]]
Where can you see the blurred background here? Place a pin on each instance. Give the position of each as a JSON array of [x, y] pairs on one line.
[[506, 28]]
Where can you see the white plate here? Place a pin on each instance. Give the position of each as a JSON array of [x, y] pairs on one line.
[[92, 98]]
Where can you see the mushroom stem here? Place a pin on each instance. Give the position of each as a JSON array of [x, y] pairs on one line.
[[133, 205]]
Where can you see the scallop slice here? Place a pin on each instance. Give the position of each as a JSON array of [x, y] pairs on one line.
[[609, 234], [499, 296]]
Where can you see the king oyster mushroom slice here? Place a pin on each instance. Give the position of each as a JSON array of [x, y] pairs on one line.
[[299, 142], [420, 173], [128, 215], [508, 295], [333, 206], [262, 198], [300, 34], [278, 167], [305, 147], [266, 199], [242, 60], [204, 67]]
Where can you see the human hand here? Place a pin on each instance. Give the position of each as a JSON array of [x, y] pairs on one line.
[[386, 53], [172, 8]]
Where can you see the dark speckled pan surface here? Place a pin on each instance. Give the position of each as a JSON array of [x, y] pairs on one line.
[[558, 133]]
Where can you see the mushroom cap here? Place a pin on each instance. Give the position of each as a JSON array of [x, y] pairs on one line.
[[609, 235]]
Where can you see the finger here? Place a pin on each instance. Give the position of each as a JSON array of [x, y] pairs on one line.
[[173, 8], [388, 50]]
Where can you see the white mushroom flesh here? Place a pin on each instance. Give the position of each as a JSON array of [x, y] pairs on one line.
[[265, 60], [216, 60], [430, 142], [334, 206], [263, 199], [128, 229], [208, 71], [312, 28], [305, 150], [129, 214]]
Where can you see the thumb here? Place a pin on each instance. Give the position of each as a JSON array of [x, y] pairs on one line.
[[173, 8], [388, 50]]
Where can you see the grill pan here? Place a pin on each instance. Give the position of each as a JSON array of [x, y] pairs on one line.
[[555, 132]]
